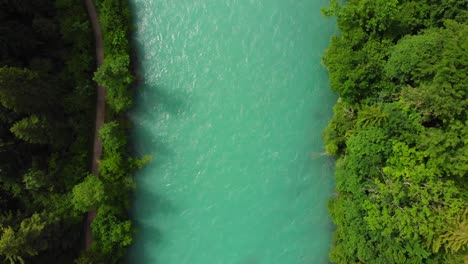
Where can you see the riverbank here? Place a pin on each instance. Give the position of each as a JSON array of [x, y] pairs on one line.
[[399, 132], [99, 109], [48, 105], [111, 227]]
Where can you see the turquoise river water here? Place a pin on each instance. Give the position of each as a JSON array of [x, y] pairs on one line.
[[232, 104]]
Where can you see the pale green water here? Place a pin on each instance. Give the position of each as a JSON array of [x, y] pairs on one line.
[[232, 106]]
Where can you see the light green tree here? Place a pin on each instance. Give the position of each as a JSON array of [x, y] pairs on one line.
[[88, 194], [15, 246]]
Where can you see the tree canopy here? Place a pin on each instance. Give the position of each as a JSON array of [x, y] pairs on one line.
[[399, 131], [46, 121]]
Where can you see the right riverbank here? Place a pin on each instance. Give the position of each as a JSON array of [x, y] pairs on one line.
[[399, 132]]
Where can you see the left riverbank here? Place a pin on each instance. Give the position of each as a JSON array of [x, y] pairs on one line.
[[47, 110], [111, 226], [100, 111]]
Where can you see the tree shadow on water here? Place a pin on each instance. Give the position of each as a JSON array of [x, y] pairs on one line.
[[148, 209], [155, 107], [161, 100], [141, 250]]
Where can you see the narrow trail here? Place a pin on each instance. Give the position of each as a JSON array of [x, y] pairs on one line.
[[100, 111]]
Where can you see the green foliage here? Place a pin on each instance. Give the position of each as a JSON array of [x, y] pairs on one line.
[[413, 57], [456, 238], [367, 148], [399, 131], [113, 166], [88, 194], [356, 68], [33, 129], [371, 16], [23, 91], [115, 77], [34, 179], [113, 137], [441, 94], [114, 74], [371, 116], [339, 128], [15, 246], [112, 232], [139, 163], [112, 228], [45, 123], [115, 20]]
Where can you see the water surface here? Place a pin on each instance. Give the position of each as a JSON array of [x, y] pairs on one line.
[[232, 105]]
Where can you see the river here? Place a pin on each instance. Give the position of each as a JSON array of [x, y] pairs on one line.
[[232, 104]]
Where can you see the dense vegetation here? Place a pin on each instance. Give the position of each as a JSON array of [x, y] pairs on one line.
[[112, 228], [46, 126], [399, 131], [46, 113]]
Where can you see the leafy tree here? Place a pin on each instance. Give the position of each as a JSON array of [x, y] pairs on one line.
[[34, 179], [88, 194], [111, 231], [413, 57], [371, 16], [399, 131], [115, 77], [339, 128], [356, 67], [113, 137]]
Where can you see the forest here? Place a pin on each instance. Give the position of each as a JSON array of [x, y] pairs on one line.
[[47, 103], [399, 131]]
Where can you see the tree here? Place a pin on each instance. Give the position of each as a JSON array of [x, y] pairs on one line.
[[25, 242], [113, 137], [88, 194], [33, 129], [115, 77], [456, 237], [399, 131], [23, 91], [34, 179], [339, 128], [112, 233], [356, 66], [371, 16], [413, 58]]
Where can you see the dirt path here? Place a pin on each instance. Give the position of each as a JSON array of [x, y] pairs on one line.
[[100, 110]]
